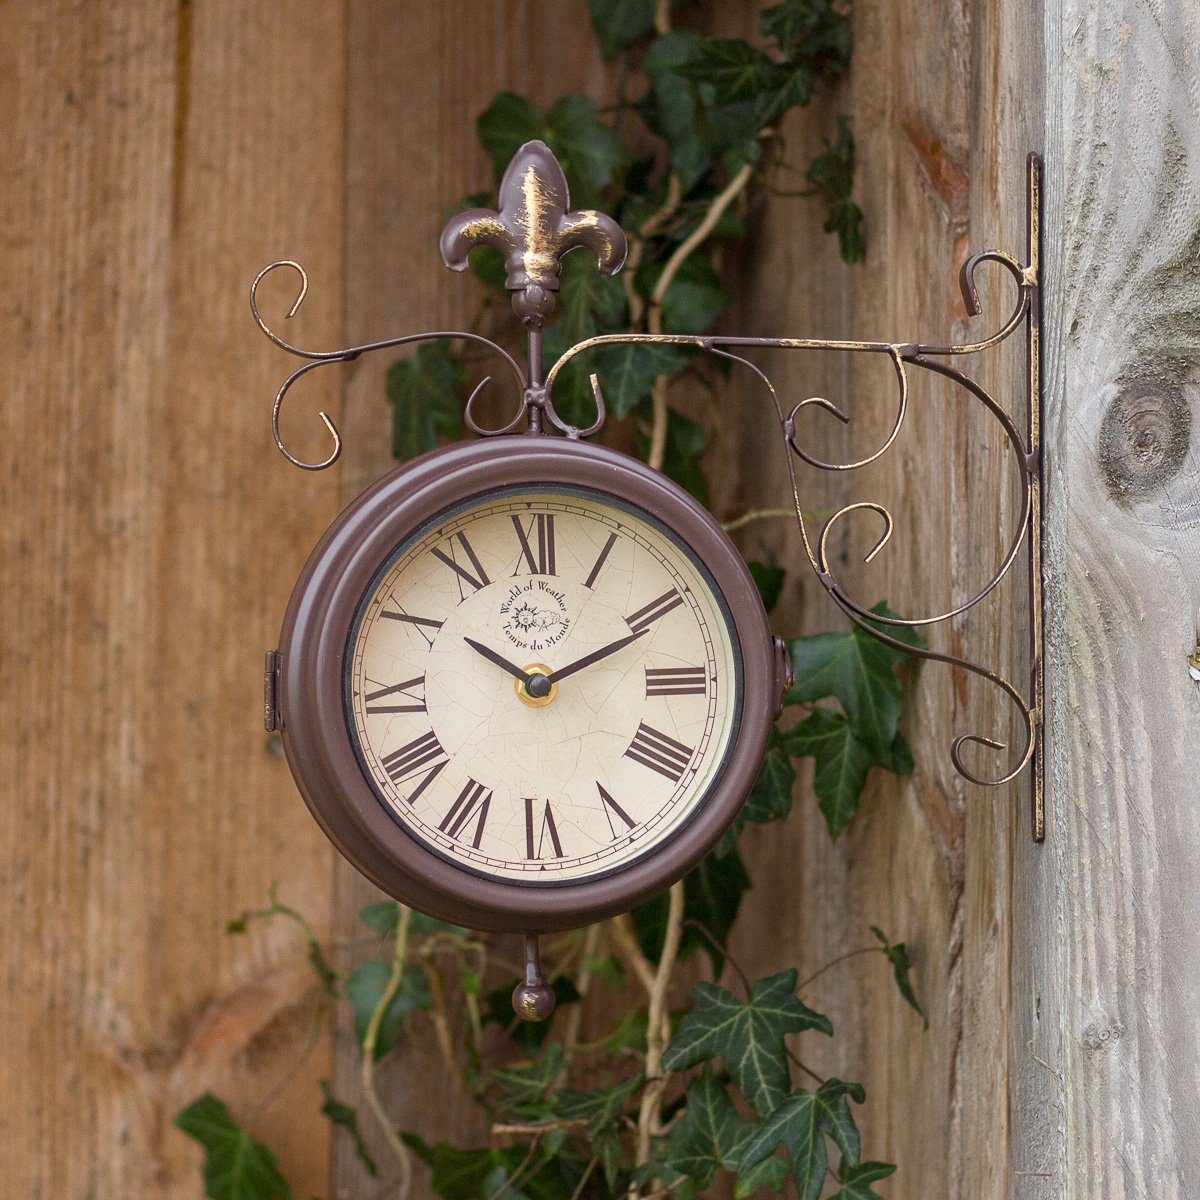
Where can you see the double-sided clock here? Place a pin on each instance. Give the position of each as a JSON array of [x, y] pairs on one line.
[[525, 682]]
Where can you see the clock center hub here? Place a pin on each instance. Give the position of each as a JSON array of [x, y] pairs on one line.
[[538, 690]]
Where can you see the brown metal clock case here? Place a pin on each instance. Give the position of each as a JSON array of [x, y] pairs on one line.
[[306, 679]]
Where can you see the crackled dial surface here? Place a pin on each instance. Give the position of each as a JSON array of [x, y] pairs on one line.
[[543, 685]]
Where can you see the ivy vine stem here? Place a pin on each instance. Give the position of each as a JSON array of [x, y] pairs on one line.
[[713, 214], [369, 1042], [658, 1030], [583, 984]]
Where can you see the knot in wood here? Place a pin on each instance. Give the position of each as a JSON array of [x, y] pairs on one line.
[[1144, 439]]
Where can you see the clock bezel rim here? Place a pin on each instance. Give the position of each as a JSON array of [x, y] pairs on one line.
[[483, 498], [312, 655]]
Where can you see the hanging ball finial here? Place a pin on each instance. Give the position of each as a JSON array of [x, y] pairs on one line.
[[533, 998]]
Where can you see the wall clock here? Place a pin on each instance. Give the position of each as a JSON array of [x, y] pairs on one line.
[[525, 682]]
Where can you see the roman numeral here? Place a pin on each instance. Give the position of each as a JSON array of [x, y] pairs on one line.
[[675, 681], [402, 691], [420, 624], [654, 611], [611, 809], [423, 756], [535, 840], [587, 583], [473, 803], [660, 753], [461, 574], [538, 556]]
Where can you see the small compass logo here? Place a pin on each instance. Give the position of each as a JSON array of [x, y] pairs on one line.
[[535, 615]]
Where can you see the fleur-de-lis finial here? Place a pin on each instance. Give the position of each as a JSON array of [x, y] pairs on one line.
[[533, 230]]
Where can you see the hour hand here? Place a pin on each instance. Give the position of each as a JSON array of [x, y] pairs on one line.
[[500, 661]]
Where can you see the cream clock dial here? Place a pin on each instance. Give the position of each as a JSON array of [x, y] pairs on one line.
[[543, 685]]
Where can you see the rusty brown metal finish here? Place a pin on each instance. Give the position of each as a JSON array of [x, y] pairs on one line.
[[534, 227]]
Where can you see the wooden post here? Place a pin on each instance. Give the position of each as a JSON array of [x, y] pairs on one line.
[[1106, 1042]]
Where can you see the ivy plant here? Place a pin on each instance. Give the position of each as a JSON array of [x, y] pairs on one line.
[[664, 1102]]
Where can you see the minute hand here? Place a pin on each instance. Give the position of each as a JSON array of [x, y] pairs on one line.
[[595, 656]]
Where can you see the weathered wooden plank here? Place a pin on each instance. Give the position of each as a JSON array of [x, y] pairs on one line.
[[927, 858], [157, 154], [1106, 1052]]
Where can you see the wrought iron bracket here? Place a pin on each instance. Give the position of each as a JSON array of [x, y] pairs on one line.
[[534, 227]]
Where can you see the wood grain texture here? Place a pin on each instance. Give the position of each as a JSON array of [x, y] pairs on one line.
[[1106, 1042], [157, 154], [927, 858]]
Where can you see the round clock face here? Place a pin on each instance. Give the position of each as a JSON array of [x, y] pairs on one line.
[[543, 685]]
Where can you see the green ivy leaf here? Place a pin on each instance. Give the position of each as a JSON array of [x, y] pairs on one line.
[[686, 441], [695, 297], [860, 672], [627, 372], [589, 303], [573, 399], [801, 1123], [842, 763], [236, 1167], [815, 32], [708, 1135], [525, 1085], [831, 176], [770, 799], [423, 391], [768, 578], [604, 1112], [771, 1173], [671, 108], [747, 1035], [589, 150], [380, 917], [346, 1117], [365, 989], [506, 125], [856, 1180], [619, 22], [897, 955], [734, 69], [712, 895], [474, 1174]]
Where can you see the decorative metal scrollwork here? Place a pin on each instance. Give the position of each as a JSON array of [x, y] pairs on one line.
[[534, 228]]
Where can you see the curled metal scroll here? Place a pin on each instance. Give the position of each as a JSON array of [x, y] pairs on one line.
[[1026, 448], [320, 358]]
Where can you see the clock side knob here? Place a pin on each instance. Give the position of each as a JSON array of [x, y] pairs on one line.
[[533, 998], [785, 675]]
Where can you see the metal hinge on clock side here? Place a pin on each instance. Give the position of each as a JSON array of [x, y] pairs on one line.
[[271, 718], [784, 674]]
